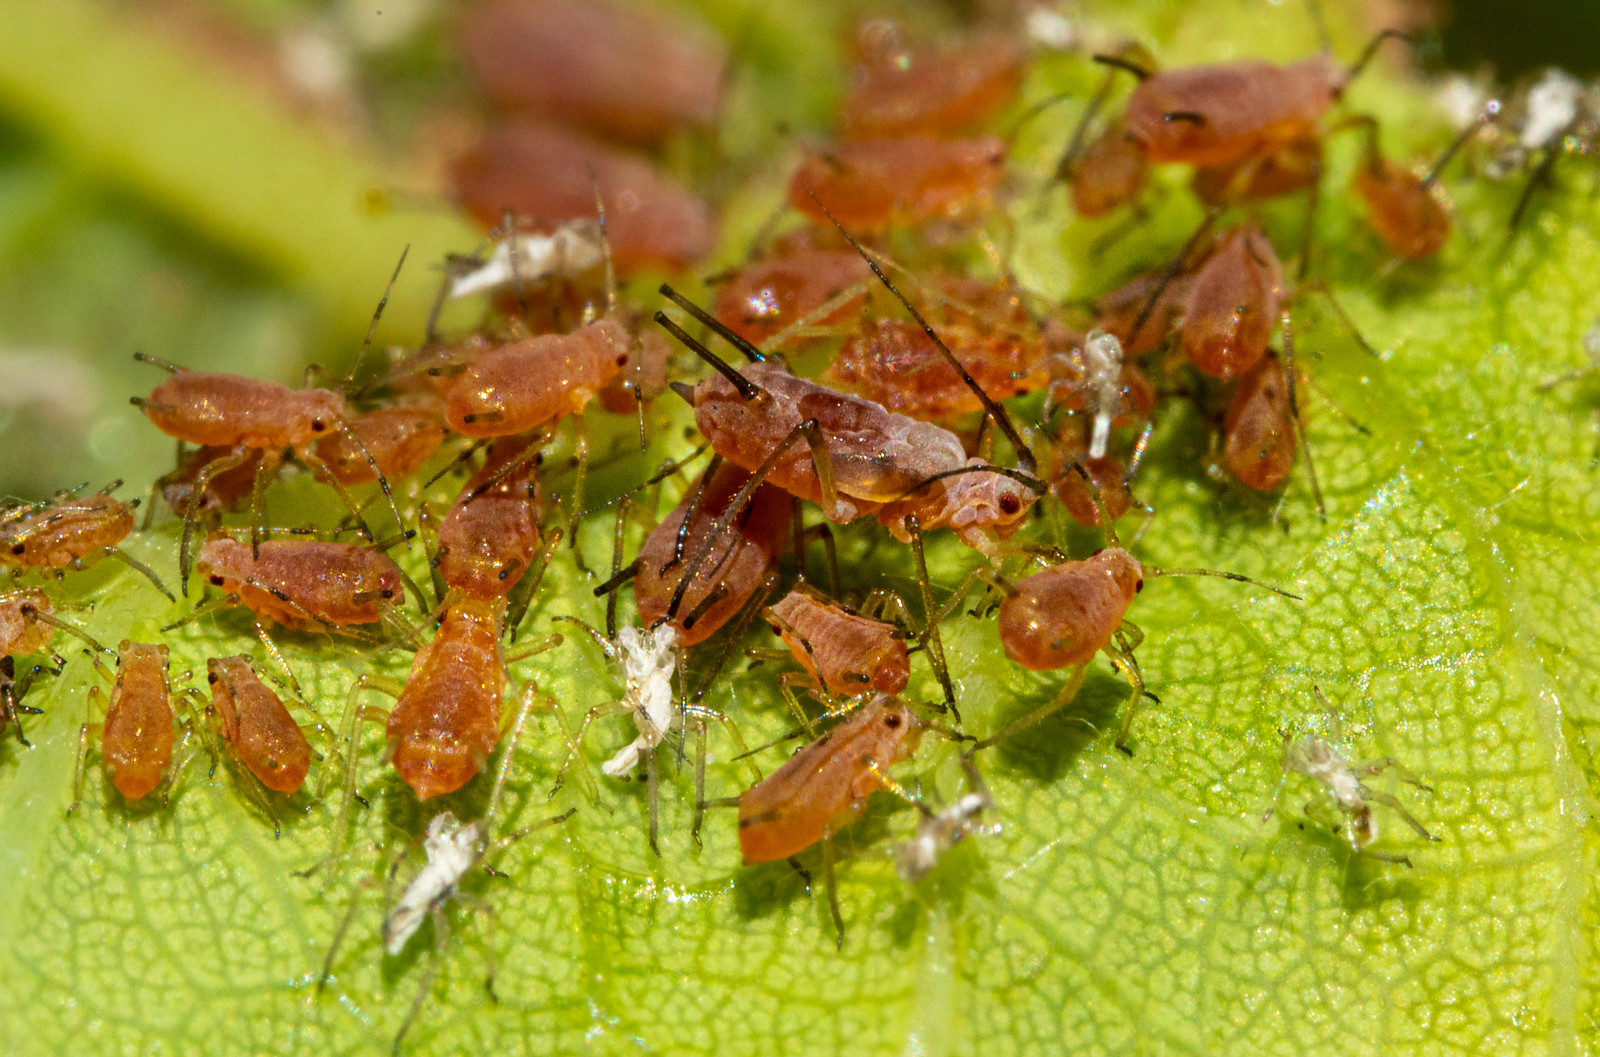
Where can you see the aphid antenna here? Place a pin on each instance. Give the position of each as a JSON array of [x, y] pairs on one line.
[[750, 351], [605, 244], [730, 642], [1120, 62], [1173, 270], [1024, 454], [1491, 111], [1027, 480], [513, 465], [747, 389], [667, 469], [143, 570], [347, 382], [383, 481], [71, 629], [930, 616], [156, 361], [1540, 177], [191, 515], [521, 596], [1295, 422], [1080, 133], [1370, 52]]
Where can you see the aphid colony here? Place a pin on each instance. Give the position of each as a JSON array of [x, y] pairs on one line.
[[939, 398]]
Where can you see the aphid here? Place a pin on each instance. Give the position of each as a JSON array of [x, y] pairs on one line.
[[844, 652], [1260, 428], [935, 92], [136, 737], [1323, 763], [615, 69], [1063, 615], [12, 691], [258, 730], [860, 459], [491, 536], [1403, 207], [247, 415], [1232, 303], [389, 442], [453, 849], [939, 831], [305, 585], [771, 295], [523, 386], [223, 490], [824, 787], [873, 184], [697, 599], [27, 624], [538, 168], [1107, 173], [70, 531]]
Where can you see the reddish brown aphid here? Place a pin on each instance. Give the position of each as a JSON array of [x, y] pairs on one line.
[[1108, 173], [770, 295], [1403, 208], [520, 387], [615, 69], [1231, 308], [643, 377], [1294, 166], [1259, 429], [447, 720], [398, 439], [537, 168], [256, 726], [824, 787], [136, 739], [737, 564], [1107, 474], [70, 531], [491, 535], [936, 91], [847, 654], [305, 585], [875, 183]]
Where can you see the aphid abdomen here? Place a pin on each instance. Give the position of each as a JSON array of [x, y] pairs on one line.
[[521, 387], [1258, 433], [258, 726], [447, 721], [824, 787], [399, 439], [304, 583], [227, 410], [1064, 615], [136, 745], [487, 541], [735, 565], [871, 184], [1232, 307]]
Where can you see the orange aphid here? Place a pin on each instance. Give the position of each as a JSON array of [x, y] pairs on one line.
[[256, 726], [845, 653], [937, 92], [1108, 475], [231, 411], [735, 567], [491, 535], [871, 184], [1065, 614], [447, 720], [642, 378], [824, 787], [1231, 307], [21, 629], [1213, 115], [1402, 208], [69, 530], [537, 168], [305, 585], [136, 743], [399, 439], [1258, 430], [520, 387], [1110, 171], [613, 68], [771, 294]]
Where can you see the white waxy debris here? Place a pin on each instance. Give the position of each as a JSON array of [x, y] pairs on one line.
[[1462, 99], [649, 660], [1552, 107], [452, 850], [938, 833], [1102, 386], [1049, 28], [569, 250]]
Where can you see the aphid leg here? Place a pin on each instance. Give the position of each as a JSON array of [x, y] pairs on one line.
[[930, 631], [88, 728], [326, 972], [1067, 166], [1063, 697], [142, 569], [1295, 421], [1124, 641], [617, 542], [320, 469], [71, 629], [832, 888], [653, 800], [429, 525], [1540, 177], [522, 596], [1319, 287], [830, 550], [197, 494], [350, 735], [1371, 50], [1389, 801], [441, 946]]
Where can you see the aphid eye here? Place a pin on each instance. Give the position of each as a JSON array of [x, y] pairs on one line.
[[892, 722], [1138, 585], [1010, 504], [622, 360], [387, 592], [19, 548], [216, 581], [211, 677], [317, 425]]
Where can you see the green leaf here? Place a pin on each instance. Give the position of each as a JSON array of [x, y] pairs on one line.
[[1126, 904]]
